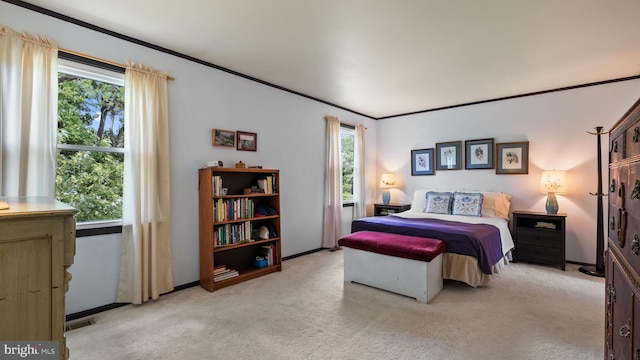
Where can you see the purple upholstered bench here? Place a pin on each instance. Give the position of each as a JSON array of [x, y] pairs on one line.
[[402, 264]]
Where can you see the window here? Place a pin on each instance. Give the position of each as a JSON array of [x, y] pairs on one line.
[[90, 160], [347, 140]]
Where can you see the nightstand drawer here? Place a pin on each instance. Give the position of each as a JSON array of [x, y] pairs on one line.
[[539, 254], [539, 237]]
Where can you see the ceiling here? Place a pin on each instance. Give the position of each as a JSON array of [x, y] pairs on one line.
[[388, 57]]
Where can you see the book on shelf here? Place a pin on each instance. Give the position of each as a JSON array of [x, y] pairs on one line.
[[233, 209], [269, 253], [227, 275], [216, 185], [268, 184], [230, 234], [219, 269]]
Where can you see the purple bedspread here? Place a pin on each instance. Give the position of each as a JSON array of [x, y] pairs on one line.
[[478, 240]]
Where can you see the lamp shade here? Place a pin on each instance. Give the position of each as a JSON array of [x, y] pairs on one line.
[[387, 181], [553, 181]]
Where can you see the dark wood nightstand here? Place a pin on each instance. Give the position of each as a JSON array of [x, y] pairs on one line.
[[383, 210], [539, 237]]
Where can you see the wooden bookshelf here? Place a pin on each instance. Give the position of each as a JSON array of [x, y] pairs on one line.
[[229, 223]]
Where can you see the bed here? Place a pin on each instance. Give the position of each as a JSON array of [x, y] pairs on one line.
[[476, 233]]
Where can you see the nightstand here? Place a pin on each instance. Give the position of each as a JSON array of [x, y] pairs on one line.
[[539, 237], [383, 210]]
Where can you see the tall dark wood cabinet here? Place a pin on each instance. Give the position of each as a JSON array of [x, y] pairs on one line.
[[622, 328]]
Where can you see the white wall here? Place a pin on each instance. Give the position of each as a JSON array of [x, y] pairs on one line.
[[291, 137], [555, 124]]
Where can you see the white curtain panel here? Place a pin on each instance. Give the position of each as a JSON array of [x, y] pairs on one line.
[[28, 114], [333, 186], [359, 190], [145, 271]]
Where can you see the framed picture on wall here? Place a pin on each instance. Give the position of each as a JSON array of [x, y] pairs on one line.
[[246, 141], [223, 138], [449, 155], [422, 162], [512, 158], [479, 154]]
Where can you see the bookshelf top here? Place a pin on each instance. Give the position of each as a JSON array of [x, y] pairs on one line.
[[240, 170]]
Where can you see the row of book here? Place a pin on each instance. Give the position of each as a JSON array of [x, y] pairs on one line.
[[216, 185], [221, 272], [268, 184], [229, 234], [233, 209]]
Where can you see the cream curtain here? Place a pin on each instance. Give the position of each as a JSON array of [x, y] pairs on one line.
[[28, 114], [333, 186], [145, 271], [359, 190]]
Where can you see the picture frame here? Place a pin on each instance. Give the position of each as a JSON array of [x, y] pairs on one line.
[[479, 154], [512, 158], [422, 162], [246, 141], [449, 155], [221, 137]]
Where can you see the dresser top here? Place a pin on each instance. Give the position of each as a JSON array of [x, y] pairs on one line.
[[35, 206]]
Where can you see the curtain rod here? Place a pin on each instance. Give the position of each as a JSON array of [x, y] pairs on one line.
[[351, 124], [101, 60]]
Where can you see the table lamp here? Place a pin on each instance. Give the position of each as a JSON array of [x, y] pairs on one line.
[[387, 181], [553, 182]]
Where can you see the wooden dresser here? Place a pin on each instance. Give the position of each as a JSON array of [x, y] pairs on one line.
[[37, 245], [622, 302]]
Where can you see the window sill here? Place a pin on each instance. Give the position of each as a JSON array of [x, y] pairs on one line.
[[348, 204], [93, 228]]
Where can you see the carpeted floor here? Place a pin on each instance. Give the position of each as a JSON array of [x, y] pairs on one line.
[[308, 312]]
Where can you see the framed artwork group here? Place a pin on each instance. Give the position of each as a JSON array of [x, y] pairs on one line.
[[505, 158], [241, 140]]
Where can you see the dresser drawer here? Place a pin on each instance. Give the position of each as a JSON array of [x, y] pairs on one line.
[[616, 148], [545, 255], [632, 140], [539, 237]]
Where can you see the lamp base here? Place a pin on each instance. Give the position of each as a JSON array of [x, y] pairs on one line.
[[386, 196], [552, 204]]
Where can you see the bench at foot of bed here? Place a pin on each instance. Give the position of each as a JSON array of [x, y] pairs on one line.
[[406, 265]]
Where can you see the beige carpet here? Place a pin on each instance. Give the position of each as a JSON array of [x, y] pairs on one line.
[[307, 312]]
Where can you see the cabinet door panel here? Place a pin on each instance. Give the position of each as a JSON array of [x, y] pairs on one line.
[[636, 327], [621, 315]]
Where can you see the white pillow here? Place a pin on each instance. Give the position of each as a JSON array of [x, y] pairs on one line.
[[419, 201]]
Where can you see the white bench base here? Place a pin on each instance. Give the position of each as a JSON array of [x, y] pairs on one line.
[[417, 279]]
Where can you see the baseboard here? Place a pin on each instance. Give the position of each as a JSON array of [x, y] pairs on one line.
[[579, 263], [100, 309], [301, 254], [89, 312]]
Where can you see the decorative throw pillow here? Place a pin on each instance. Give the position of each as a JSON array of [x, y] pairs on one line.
[[438, 202], [469, 204], [495, 204]]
